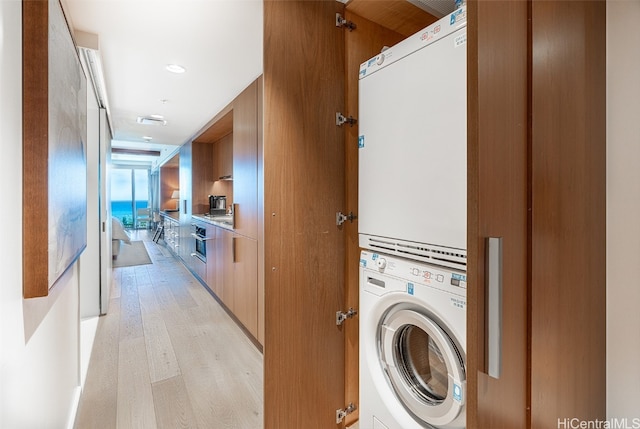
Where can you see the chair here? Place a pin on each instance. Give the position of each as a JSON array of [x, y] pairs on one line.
[[157, 220], [142, 218], [118, 235]]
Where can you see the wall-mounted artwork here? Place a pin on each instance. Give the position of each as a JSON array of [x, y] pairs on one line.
[[54, 148]]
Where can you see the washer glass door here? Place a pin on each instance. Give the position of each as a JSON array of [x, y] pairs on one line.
[[423, 365]]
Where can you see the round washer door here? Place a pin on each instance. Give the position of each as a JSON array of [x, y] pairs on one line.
[[423, 365]]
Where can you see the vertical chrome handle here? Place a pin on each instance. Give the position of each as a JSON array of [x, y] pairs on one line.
[[494, 305]]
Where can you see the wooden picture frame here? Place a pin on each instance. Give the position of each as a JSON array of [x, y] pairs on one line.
[[54, 148]]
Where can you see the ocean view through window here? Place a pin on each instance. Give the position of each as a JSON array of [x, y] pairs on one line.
[[129, 193]]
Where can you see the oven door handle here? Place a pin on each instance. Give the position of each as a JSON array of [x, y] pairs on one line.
[[195, 255], [200, 238]]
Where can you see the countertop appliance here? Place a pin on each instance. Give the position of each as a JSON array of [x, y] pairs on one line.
[[412, 146], [217, 204], [412, 344]]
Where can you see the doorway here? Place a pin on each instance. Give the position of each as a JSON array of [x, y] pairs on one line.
[[130, 196]]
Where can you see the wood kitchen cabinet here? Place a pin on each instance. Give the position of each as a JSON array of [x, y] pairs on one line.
[[245, 161], [234, 277], [223, 157], [536, 163], [245, 281], [224, 161], [202, 176], [225, 278], [213, 260], [304, 176]]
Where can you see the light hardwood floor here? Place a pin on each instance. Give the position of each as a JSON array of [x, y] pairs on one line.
[[168, 356]]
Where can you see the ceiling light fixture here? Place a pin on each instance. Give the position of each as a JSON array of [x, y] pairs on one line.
[[175, 68], [147, 138]]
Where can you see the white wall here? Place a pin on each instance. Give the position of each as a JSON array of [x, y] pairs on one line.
[[623, 209], [90, 259], [39, 364]]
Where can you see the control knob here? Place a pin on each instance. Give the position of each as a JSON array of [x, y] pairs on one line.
[[381, 263]]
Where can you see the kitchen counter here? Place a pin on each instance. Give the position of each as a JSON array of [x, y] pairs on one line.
[[225, 221], [173, 214]]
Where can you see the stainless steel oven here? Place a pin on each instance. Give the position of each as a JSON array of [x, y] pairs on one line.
[[200, 235]]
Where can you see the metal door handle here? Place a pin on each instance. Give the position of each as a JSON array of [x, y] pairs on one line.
[[233, 249], [493, 274]]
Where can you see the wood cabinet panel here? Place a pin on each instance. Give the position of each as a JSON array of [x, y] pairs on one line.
[[213, 261], [568, 178], [260, 207], [223, 157], [245, 282], [202, 166], [547, 82], [361, 45], [245, 162], [399, 16], [497, 205], [169, 182], [221, 125], [303, 190], [225, 277]]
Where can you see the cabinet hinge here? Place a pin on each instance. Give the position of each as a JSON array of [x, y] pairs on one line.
[[341, 316], [341, 120], [342, 218], [342, 413], [343, 23]]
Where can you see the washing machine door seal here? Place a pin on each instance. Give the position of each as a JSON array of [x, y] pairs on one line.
[[423, 365]]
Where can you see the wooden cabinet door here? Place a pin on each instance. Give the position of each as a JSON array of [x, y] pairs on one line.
[[213, 262], [245, 162], [224, 157], [568, 236], [497, 206], [202, 161], [303, 190], [224, 250], [245, 299], [537, 177]]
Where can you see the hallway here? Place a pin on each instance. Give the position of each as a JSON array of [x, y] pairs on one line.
[[168, 356]]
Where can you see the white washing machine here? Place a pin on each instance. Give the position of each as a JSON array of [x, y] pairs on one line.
[[412, 344]]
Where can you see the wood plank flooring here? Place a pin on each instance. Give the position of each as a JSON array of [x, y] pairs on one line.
[[168, 356]]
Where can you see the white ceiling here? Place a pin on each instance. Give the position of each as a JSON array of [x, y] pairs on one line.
[[219, 42]]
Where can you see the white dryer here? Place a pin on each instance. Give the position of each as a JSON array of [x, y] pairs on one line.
[[412, 344]]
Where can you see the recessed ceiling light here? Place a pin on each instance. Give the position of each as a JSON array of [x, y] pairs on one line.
[[147, 138], [175, 68]]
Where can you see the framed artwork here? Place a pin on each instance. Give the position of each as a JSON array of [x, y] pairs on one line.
[[54, 148]]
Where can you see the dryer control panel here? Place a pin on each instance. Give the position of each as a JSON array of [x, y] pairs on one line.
[[449, 280]]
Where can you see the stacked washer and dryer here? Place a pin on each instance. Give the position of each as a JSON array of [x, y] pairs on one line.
[[412, 226]]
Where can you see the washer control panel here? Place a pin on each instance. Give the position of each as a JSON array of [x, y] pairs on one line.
[[450, 280]]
